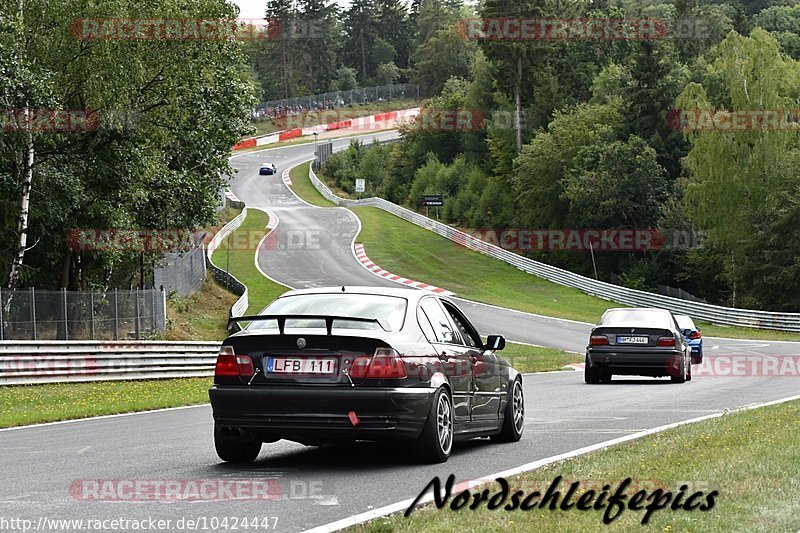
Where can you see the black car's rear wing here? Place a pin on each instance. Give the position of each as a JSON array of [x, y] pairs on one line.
[[281, 319]]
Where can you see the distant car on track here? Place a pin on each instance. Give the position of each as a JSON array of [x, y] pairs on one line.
[[643, 342], [694, 335], [356, 363], [267, 169]]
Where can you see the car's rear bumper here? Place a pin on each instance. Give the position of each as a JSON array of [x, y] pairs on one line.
[[321, 414], [637, 363], [697, 353]]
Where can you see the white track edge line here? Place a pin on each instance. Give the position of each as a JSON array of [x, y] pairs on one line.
[[100, 417], [402, 505]]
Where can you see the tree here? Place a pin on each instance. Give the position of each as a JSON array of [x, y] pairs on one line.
[[396, 29], [346, 79], [444, 56], [543, 165], [514, 57], [360, 22], [167, 114], [734, 175], [319, 47], [386, 74], [616, 184]]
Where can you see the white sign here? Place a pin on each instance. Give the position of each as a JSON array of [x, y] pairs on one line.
[[361, 185]]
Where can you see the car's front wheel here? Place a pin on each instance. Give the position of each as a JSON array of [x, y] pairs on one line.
[[436, 440], [234, 448], [514, 417]]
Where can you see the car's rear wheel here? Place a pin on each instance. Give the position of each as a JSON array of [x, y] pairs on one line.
[[234, 448], [436, 440], [514, 416], [681, 374], [689, 371], [591, 374]]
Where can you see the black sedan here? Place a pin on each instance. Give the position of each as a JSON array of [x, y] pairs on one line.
[[640, 342], [355, 363]]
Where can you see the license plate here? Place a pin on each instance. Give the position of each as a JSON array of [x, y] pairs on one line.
[[632, 340], [294, 365]]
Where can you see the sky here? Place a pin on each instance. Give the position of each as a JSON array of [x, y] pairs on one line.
[[255, 9]]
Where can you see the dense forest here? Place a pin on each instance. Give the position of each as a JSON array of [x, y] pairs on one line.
[[609, 138]]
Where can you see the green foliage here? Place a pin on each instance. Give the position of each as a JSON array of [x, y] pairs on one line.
[[742, 184], [169, 112]]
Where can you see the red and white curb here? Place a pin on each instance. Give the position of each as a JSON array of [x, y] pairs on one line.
[[372, 122], [230, 196], [367, 263], [576, 366], [287, 178], [273, 220]]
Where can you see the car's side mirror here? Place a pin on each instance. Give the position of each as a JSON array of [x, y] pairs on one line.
[[686, 332], [495, 342], [233, 327]]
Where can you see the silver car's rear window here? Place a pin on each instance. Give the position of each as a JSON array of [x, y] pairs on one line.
[[653, 318], [391, 310], [685, 322]]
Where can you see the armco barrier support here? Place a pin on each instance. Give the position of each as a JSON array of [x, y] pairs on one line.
[[29, 362], [716, 314], [241, 305]]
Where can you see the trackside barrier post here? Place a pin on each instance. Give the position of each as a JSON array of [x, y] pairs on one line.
[[116, 317], [32, 295]]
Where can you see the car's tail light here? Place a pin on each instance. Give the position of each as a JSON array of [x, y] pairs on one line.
[[665, 341], [245, 365], [598, 340], [384, 364], [696, 335], [229, 364]]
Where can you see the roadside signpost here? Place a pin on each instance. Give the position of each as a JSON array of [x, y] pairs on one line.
[[361, 185], [432, 200]]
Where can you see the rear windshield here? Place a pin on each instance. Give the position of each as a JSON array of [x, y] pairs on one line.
[[390, 310], [654, 318], [684, 322]]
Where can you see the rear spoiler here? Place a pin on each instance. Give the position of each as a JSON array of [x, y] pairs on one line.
[[233, 322]]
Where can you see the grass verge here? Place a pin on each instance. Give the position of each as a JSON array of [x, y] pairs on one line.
[[527, 358], [201, 316], [425, 256], [751, 458], [420, 254], [303, 187], [240, 261], [34, 404]]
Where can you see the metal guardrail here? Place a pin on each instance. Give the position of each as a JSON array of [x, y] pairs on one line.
[[241, 305], [29, 362], [716, 314]]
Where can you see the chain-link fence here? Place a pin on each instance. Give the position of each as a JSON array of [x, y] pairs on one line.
[[29, 314], [333, 100], [181, 273]]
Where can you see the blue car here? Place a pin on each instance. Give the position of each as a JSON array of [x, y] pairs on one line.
[[693, 335]]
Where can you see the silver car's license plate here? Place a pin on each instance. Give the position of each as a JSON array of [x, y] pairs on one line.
[[632, 340]]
